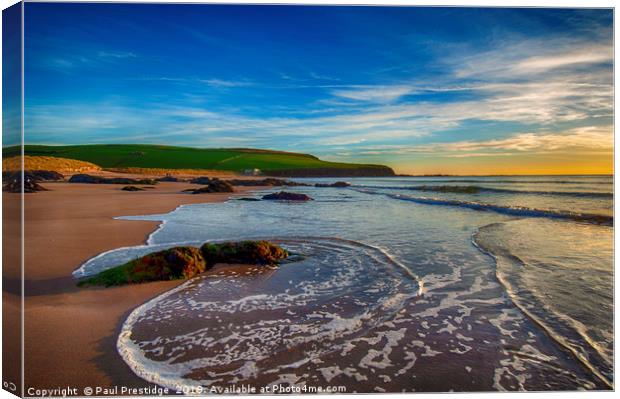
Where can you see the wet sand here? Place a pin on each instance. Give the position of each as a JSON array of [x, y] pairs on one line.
[[70, 337]]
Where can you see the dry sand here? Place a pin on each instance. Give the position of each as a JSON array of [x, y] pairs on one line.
[[70, 333]]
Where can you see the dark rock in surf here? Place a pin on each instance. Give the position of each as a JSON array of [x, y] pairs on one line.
[[244, 252], [170, 264], [338, 184], [187, 262], [215, 186], [286, 196]]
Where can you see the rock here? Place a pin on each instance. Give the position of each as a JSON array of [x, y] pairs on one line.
[[84, 178], [286, 196], [170, 264], [168, 178], [132, 188], [215, 186], [248, 199], [244, 252], [13, 183], [336, 184], [187, 262], [126, 180], [46, 175], [248, 182], [201, 180]]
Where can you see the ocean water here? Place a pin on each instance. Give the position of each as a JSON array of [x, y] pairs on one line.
[[399, 284]]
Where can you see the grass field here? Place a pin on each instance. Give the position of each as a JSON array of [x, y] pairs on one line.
[[167, 157]]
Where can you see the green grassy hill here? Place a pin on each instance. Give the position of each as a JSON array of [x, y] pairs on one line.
[[166, 157]]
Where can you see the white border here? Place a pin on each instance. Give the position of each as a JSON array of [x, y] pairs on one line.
[[449, 3]]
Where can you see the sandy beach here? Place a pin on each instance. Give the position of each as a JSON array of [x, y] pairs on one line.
[[71, 333]]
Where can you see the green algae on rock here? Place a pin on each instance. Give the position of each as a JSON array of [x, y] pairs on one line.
[[244, 252], [170, 264], [187, 262]]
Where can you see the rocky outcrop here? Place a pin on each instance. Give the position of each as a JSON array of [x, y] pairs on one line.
[[336, 184], [286, 196], [187, 262], [215, 186], [90, 179], [168, 179], [201, 180], [170, 264], [45, 175], [244, 252], [84, 178], [13, 183]]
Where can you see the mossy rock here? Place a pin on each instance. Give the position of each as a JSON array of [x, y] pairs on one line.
[[187, 262], [170, 264], [244, 252]]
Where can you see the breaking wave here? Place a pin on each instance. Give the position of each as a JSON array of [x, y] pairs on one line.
[[481, 189], [605, 220], [224, 327], [542, 288]]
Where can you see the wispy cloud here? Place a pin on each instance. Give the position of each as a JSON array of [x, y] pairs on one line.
[[596, 138], [73, 62], [318, 76], [586, 55], [378, 94], [225, 83], [592, 139], [118, 55], [521, 58]]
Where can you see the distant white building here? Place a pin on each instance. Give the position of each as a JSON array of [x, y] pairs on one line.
[[252, 172]]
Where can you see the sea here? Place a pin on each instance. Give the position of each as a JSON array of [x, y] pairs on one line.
[[401, 284]]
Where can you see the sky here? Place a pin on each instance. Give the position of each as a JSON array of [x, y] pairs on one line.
[[423, 90]]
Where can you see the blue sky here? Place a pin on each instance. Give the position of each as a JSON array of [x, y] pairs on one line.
[[421, 89]]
